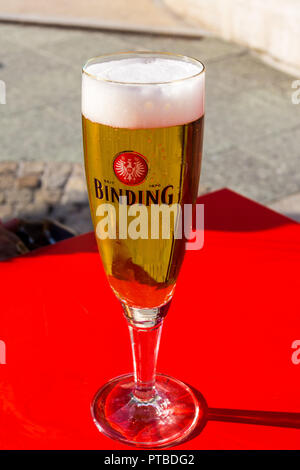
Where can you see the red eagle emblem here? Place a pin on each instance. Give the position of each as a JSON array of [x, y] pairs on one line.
[[130, 168]]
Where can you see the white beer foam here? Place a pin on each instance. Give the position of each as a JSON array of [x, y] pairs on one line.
[[149, 95]]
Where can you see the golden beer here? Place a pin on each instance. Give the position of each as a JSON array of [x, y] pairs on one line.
[[143, 272], [142, 135]]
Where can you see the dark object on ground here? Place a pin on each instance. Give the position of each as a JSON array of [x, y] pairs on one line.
[[20, 236], [10, 244]]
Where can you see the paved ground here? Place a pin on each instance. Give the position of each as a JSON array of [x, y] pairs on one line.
[[252, 128], [134, 15]]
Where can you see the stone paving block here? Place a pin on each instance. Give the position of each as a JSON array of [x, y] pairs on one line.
[[22, 195], [6, 212], [7, 181], [56, 175], [47, 196], [29, 181], [78, 169], [8, 167], [75, 191], [31, 167]]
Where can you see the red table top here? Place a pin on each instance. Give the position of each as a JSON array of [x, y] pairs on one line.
[[229, 333]]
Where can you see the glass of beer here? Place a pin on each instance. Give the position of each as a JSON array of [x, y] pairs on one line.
[[142, 115]]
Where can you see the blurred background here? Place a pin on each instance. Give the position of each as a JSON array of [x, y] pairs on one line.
[[251, 49]]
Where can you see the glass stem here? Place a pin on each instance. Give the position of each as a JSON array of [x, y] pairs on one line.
[[145, 325], [145, 346]]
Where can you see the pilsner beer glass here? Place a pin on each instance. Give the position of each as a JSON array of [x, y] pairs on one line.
[[142, 115]]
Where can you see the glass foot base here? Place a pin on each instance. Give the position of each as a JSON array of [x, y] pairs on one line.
[[164, 421]]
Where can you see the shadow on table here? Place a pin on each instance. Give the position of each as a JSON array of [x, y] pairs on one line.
[[263, 418]]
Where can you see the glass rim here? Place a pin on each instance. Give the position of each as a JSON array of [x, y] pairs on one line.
[[154, 53]]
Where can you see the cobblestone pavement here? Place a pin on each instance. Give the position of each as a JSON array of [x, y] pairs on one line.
[[252, 129], [34, 190]]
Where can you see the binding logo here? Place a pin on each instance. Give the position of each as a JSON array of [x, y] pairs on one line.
[[130, 168]]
